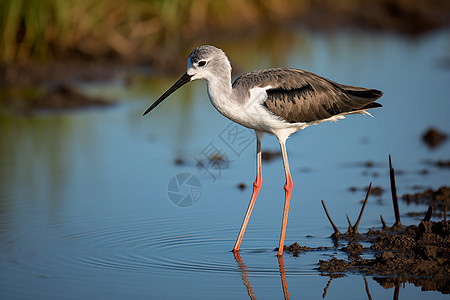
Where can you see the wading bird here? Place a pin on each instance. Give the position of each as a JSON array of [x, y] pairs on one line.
[[275, 101]]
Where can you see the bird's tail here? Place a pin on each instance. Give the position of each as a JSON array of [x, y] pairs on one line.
[[360, 92]]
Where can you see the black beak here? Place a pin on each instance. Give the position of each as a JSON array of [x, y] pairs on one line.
[[182, 81]]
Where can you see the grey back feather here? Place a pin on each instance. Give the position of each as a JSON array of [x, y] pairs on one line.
[[301, 96]]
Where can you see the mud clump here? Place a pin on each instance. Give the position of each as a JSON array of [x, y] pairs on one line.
[[335, 265], [296, 249], [420, 250], [353, 248], [418, 254], [438, 199]]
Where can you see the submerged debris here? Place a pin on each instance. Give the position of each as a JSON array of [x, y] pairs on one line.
[[270, 155], [179, 161], [438, 199], [434, 138], [241, 186], [443, 163], [377, 191], [65, 97]]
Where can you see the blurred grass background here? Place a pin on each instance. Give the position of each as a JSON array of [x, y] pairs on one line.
[[134, 30], [42, 29]]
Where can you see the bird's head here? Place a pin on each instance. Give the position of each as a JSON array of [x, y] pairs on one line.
[[205, 62]]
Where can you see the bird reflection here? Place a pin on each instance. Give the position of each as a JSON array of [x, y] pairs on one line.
[[248, 285], [283, 278], [244, 274]]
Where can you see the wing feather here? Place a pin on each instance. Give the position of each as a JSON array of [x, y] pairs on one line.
[[300, 96]]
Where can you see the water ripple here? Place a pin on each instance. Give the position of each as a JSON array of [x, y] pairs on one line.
[[140, 244]]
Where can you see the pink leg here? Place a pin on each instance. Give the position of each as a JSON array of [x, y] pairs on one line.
[[288, 192], [256, 187]]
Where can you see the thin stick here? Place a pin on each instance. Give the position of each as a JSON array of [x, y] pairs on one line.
[[445, 212], [336, 230], [383, 223], [350, 227], [326, 288], [394, 194], [367, 288], [355, 228], [428, 214], [396, 291]]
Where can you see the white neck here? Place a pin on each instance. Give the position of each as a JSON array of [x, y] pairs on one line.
[[220, 93]]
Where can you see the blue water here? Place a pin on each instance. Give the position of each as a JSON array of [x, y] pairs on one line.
[[85, 205]]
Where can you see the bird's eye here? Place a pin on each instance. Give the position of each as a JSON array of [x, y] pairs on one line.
[[202, 63]]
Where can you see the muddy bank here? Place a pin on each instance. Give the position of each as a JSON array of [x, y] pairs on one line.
[[406, 17], [30, 87], [417, 254], [66, 97], [57, 98], [419, 250]]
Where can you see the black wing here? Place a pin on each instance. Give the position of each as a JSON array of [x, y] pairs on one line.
[[301, 96]]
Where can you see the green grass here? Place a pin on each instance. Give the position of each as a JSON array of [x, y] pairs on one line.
[[45, 29]]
